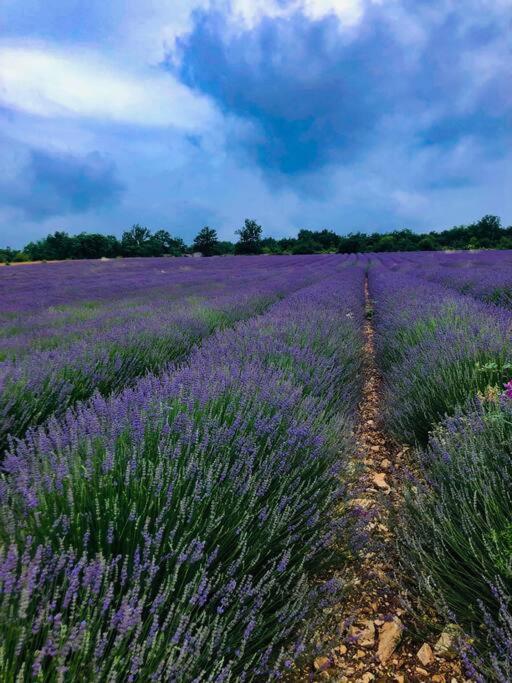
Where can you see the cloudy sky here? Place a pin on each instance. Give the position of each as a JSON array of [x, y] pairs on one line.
[[347, 114]]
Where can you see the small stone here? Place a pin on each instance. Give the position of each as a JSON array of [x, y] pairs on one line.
[[360, 654], [389, 637], [425, 654], [379, 480], [438, 678], [446, 646], [421, 672], [385, 464], [364, 633], [399, 678], [322, 663], [380, 574], [361, 503], [375, 449], [367, 677], [370, 423], [325, 675], [341, 649]]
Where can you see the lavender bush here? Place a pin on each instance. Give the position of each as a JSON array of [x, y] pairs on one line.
[[54, 358], [46, 286], [456, 531], [170, 532], [485, 275], [444, 353], [437, 350]]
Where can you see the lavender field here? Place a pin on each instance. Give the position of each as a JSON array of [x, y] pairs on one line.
[[188, 489]]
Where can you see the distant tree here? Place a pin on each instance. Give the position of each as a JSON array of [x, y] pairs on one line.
[[353, 243], [386, 243], [60, 245], [505, 243], [270, 245], [317, 241], [427, 243], [7, 255], [163, 243], [53, 247], [286, 245], [250, 238], [488, 230], [20, 257], [486, 233], [206, 241], [94, 245], [225, 248], [136, 241]]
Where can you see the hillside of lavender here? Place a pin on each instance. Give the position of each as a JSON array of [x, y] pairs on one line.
[[177, 441]]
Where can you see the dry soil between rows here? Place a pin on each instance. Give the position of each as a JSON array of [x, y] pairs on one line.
[[372, 641]]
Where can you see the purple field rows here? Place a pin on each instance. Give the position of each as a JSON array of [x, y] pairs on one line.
[[177, 438]]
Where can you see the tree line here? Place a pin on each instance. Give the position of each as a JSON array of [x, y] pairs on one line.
[[487, 233]]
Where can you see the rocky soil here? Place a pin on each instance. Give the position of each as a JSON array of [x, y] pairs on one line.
[[372, 641]]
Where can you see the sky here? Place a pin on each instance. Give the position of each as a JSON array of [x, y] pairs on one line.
[[344, 114]]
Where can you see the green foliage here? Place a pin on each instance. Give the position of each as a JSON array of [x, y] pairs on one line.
[[206, 242], [138, 241], [435, 384], [225, 248], [163, 244], [487, 233], [9, 255], [456, 533], [250, 238], [115, 365]]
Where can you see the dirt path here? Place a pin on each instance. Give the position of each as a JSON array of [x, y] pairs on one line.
[[373, 644]]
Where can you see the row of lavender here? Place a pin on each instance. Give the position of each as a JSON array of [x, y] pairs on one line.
[[484, 275], [25, 289], [171, 532], [51, 358], [446, 360]]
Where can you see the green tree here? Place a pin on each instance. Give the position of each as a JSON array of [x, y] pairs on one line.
[[486, 232], [136, 241], [353, 243], [163, 243], [206, 241], [250, 238], [427, 243], [225, 248], [270, 245], [53, 247], [93, 245], [317, 241], [7, 255]]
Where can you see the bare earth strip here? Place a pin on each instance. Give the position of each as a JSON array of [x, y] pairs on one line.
[[372, 631]]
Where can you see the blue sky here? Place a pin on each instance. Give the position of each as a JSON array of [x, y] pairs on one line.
[[347, 114]]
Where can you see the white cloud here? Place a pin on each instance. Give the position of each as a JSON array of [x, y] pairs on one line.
[[148, 30], [348, 11], [250, 12], [47, 82]]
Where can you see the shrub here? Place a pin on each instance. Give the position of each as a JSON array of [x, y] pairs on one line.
[[173, 532], [456, 530]]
